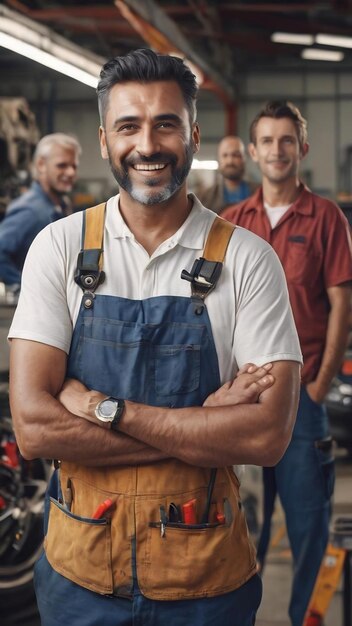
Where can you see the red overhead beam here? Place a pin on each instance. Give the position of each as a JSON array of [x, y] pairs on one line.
[[244, 40], [107, 12]]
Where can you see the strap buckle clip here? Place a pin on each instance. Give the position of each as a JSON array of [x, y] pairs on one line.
[[88, 275], [203, 276]]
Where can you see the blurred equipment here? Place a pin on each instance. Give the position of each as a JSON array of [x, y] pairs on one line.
[[22, 490], [19, 135], [337, 560], [339, 405]]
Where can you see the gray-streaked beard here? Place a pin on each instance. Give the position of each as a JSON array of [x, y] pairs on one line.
[[146, 195]]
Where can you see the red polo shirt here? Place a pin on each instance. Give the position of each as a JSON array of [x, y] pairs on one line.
[[313, 242]]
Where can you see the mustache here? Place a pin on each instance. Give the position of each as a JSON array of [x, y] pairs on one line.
[[157, 157]]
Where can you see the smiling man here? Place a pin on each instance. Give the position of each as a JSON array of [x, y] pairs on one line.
[[142, 386], [151, 175], [55, 164], [311, 237]]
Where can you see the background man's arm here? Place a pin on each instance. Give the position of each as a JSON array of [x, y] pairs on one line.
[[11, 239], [336, 340]]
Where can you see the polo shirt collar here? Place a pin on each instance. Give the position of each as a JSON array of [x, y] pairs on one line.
[[191, 233], [303, 205]]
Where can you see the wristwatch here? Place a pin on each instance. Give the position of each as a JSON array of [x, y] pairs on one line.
[[109, 411]]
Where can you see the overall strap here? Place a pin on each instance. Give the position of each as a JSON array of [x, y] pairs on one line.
[[218, 240], [206, 270], [89, 273]]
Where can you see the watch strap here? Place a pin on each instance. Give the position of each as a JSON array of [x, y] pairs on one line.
[[119, 412]]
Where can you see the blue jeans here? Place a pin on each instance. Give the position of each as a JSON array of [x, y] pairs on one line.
[[304, 480], [62, 602]]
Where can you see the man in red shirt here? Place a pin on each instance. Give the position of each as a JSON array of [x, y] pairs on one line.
[[311, 237]]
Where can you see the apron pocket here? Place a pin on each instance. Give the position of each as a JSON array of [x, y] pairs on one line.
[[194, 561], [79, 549]]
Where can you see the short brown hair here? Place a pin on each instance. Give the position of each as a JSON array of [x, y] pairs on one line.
[[278, 109]]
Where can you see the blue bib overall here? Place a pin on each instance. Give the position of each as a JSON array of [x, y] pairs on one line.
[[129, 569]]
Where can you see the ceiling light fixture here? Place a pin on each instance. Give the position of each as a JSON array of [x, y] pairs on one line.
[[293, 38], [334, 40], [40, 44], [316, 54]]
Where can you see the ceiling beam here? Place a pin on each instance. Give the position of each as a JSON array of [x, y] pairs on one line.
[[90, 12], [310, 24], [161, 33], [246, 41], [208, 17], [338, 7]]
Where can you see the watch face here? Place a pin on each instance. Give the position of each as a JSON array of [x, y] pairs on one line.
[[107, 409], [109, 412]]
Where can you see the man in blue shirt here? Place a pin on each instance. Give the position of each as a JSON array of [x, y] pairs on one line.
[[230, 186], [55, 165]]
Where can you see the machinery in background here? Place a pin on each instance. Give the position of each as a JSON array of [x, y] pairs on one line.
[[22, 489], [339, 405], [22, 495], [19, 135]]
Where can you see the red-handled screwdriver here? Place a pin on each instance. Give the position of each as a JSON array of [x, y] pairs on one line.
[[189, 512], [103, 508]]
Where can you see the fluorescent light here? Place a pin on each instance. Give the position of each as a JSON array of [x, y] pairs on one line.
[[31, 52], [40, 44], [294, 38], [316, 54], [204, 165], [334, 40]]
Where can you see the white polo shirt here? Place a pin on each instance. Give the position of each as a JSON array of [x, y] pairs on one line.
[[249, 309]]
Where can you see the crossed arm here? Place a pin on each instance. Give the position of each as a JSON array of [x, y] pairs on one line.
[[248, 420]]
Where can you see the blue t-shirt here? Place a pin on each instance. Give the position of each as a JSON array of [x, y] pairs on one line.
[[241, 193]]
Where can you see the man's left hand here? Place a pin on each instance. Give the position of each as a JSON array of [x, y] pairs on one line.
[[246, 387]]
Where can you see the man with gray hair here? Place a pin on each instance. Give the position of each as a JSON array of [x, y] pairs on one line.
[[55, 165]]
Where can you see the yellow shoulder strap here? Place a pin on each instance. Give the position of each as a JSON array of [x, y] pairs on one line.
[[218, 240], [93, 225]]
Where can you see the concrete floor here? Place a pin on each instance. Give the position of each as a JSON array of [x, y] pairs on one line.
[[278, 571]]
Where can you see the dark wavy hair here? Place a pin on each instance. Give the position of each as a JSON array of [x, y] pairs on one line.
[[278, 109], [146, 66]]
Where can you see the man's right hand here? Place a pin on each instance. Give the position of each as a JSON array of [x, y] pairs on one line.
[[245, 388]]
